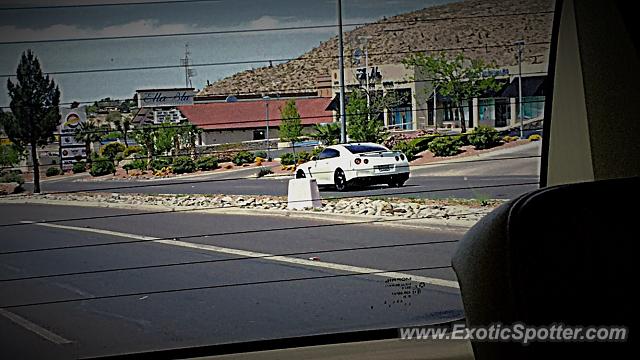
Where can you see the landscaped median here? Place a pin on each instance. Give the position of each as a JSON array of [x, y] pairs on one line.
[[448, 212]]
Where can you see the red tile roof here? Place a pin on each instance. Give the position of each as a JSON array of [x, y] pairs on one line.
[[252, 114]]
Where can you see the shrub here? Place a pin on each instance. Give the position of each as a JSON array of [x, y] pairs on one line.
[[287, 159], [206, 163], [226, 156], [407, 148], [102, 166], [464, 140], [484, 137], [260, 154], [53, 171], [444, 146], [138, 164], [112, 149], [508, 138], [183, 165], [159, 163], [11, 177], [243, 157], [394, 139], [134, 149], [422, 143], [316, 151], [79, 167], [535, 137], [264, 171], [303, 156]]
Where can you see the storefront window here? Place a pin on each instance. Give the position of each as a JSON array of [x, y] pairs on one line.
[[401, 118], [532, 107], [486, 109]]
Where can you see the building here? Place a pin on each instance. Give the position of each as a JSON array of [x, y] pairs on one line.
[[246, 120], [495, 109]]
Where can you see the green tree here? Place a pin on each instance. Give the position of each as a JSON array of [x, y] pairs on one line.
[[459, 78], [146, 137], [165, 138], [34, 110], [361, 127], [329, 133], [188, 135], [9, 155], [122, 124], [87, 132], [290, 126]]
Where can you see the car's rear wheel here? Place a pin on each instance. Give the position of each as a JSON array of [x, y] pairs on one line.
[[300, 174], [339, 180]]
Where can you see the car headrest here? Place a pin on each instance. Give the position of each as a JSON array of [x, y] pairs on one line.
[[561, 254]]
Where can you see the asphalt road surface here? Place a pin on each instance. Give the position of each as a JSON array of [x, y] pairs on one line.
[[501, 175], [115, 312]]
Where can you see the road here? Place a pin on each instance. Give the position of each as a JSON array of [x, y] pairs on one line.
[[492, 175], [296, 296]]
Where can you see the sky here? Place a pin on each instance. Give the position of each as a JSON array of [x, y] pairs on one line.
[[169, 18]]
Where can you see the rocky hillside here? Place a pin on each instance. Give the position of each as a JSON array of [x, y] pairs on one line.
[[479, 28]]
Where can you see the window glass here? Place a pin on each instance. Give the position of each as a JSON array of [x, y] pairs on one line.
[[328, 153]]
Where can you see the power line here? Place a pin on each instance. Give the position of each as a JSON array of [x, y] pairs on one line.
[[288, 28], [174, 211], [220, 286], [79, 6], [199, 262], [282, 60]]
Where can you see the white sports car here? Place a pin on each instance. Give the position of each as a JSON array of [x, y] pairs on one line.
[[357, 163]]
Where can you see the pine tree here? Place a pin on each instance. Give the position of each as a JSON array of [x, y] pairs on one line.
[[34, 110]]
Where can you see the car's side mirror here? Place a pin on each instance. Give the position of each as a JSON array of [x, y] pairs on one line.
[[313, 158]]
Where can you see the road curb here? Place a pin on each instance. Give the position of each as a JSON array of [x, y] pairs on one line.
[[449, 225]]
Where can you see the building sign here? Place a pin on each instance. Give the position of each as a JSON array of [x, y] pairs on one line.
[[374, 75], [71, 150], [165, 97]]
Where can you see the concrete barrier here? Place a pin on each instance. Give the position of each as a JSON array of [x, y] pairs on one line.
[[303, 194]]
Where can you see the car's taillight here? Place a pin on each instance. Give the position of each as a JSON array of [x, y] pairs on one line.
[[366, 161], [357, 161]]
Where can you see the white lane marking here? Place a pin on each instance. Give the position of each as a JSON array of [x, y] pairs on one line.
[[34, 328], [265, 256]]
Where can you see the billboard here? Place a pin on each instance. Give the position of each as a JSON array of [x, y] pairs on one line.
[[165, 97], [71, 119], [71, 150]]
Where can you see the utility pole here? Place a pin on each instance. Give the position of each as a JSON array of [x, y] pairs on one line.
[[520, 44], [343, 116], [266, 99], [435, 108], [366, 72], [188, 72]]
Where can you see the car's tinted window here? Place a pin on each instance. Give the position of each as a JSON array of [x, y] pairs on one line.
[[328, 153], [357, 149]]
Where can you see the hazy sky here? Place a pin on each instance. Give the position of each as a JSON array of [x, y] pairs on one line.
[[44, 24]]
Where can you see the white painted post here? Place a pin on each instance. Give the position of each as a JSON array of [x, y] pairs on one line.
[[303, 194]]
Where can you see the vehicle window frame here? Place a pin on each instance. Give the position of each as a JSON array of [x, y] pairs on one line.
[[336, 153], [367, 148]]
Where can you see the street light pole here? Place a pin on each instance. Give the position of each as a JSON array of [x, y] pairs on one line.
[[435, 108], [266, 98], [520, 44], [343, 116]]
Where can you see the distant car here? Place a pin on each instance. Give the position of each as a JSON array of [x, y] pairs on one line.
[[356, 164]]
